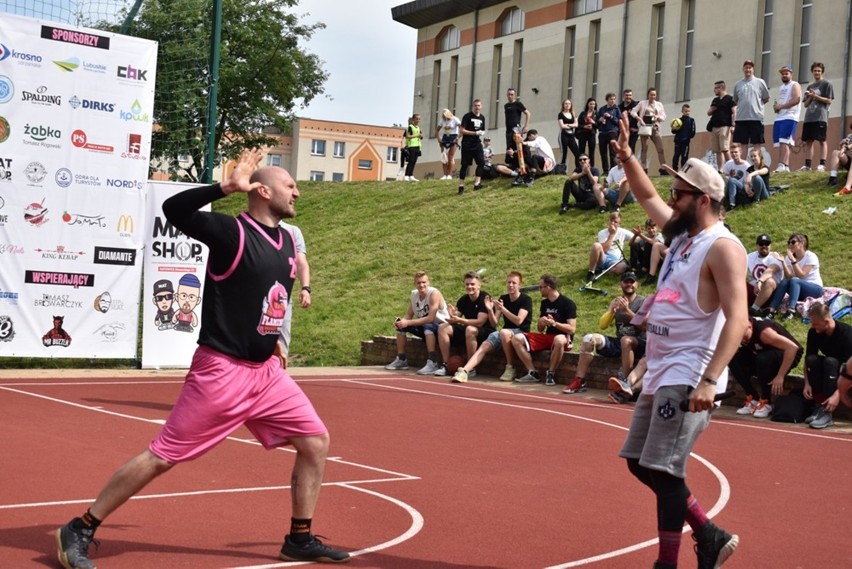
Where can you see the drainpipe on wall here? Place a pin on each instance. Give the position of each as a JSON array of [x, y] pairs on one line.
[[845, 90], [473, 57], [624, 49]]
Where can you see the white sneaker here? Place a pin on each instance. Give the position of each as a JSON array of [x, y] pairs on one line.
[[508, 374], [460, 376], [803, 169], [821, 168], [397, 364], [783, 168], [762, 410], [430, 368], [406, 179], [441, 371], [412, 179], [749, 406]]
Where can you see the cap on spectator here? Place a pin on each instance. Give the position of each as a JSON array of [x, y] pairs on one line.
[[488, 138], [763, 239], [701, 176], [163, 285], [629, 276], [784, 68], [748, 62]]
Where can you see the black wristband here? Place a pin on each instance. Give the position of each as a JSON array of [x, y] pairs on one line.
[[709, 380], [307, 289]]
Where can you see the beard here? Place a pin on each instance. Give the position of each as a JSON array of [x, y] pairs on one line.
[[685, 221]]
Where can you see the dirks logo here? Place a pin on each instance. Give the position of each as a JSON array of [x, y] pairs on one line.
[[89, 104]]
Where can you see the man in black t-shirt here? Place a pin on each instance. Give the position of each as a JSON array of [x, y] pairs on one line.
[[516, 309], [626, 105], [722, 113], [514, 109], [468, 324], [556, 328], [833, 340], [472, 130]]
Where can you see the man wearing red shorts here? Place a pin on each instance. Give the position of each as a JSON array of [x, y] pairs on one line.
[[236, 377], [556, 328]]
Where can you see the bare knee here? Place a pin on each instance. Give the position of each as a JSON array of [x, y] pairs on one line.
[[314, 448]]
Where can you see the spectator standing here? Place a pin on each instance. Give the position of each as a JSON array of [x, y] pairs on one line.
[[426, 311], [587, 130], [682, 135], [514, 109], [556, 327], [765, 269], [829, 345], [303, 273], [472, 130], [413, 142], [817, 99], [802, 278], [628, 342], [608, 118], [722, 113], [768, 351], [626, 106], [447, 134], [690, 343], [516, 309], [567, 121], [468, 324], [651, 113], [787, 109], [750, 96], [583, 184], [609, 248]]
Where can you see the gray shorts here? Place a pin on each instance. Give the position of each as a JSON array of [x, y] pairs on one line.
[[661, 435], [494, 337]]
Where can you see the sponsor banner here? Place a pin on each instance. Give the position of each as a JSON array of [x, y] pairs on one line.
[[75, 138], [172, 288]]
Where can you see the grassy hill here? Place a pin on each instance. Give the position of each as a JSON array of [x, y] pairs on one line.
[[367, 239]]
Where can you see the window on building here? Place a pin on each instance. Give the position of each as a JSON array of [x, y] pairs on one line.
[[518, 61], [689, 32], [436, 95], [766, 40], [365, 164], [659, 21], [317, 176], [496, 83], [273, 160], [318, 147], [454, 83], [568, 63], [393, 154], [805, 43], [339, 149], [585, 6], [337, 177], [594, 55], [449, 39], [513, 21]]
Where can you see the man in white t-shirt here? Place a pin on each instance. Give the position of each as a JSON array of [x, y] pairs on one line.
[[303, 273], [736, 174], [617, 191], [765, 271], [608, 251], [541, 154]]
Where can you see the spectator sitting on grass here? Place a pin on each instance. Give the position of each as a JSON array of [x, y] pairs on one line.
[[842, 158], [583, 184], [617, 191], [641, 245], [609, 248]]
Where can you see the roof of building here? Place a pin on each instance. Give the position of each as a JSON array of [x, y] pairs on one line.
[[422, 13]]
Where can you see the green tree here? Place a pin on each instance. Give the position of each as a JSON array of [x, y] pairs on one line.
[[264, 75]]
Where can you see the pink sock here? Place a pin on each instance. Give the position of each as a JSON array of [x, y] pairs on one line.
[[669, 547], [695, 516]]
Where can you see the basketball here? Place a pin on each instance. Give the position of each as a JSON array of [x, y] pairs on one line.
[[454, 363], [676, 124]]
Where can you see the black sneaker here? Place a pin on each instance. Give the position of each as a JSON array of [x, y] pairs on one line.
[[564, 209], [313, 550], [590, 276], [477, 187], [650, 280], [461, 190], [550, 378], [713, 545], [72, 546], [602, 209], [832, 181]]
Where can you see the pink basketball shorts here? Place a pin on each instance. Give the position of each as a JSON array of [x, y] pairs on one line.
[[221, 393]]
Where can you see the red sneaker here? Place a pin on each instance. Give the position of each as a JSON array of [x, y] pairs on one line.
[[577, 385]]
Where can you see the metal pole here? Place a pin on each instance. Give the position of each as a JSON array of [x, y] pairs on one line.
[[130, 16], [216, 38]]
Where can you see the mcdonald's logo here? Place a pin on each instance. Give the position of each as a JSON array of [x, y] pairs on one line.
[[125, 225]]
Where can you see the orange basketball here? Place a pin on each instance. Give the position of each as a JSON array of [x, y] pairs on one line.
[[454, 363]]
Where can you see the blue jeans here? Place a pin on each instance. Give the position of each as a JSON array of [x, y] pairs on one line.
[[798, 289], [734, 187]]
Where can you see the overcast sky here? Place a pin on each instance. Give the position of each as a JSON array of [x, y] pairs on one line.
[[370, 59]]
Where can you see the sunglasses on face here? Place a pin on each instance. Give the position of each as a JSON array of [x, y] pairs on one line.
[[162, 297]]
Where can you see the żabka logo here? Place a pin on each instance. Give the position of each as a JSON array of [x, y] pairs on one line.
[[40, 135], [80, 140]]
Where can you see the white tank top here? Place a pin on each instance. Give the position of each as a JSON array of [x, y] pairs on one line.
[[681, 336], [784, 94], [421, 306]]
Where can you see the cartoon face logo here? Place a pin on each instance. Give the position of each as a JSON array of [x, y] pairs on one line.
[[274, 309], [188, 298]]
